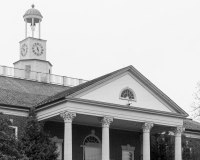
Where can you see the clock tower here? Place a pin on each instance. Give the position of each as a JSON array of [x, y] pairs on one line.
[[33, 50]]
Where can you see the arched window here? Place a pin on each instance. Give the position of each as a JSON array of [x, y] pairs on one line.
[[91, 147], [91, 139], [127, 94]]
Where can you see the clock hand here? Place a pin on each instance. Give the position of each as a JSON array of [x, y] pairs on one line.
[[37, 49]]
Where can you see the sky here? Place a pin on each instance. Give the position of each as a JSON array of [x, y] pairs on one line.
[[90, 38]]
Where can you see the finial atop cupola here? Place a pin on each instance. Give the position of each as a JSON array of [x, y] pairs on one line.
[[32, 16]]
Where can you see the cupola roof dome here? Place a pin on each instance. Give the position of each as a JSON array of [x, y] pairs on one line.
[[32, 13]]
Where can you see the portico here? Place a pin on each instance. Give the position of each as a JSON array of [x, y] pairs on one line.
[[103, 125], [118, 114]]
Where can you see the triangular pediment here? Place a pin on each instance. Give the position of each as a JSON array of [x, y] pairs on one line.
[[107, 89], [144, 97]]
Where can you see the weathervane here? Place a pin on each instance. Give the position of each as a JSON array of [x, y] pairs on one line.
[[128, 104]]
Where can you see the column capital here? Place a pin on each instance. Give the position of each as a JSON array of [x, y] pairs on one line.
[[146, 127], [106, 121], [68, 116], [178, 131]]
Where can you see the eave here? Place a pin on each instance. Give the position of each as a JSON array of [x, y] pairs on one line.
[[111, 105]]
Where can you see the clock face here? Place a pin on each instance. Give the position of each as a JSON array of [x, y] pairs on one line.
[[37, 49], [24, 49]]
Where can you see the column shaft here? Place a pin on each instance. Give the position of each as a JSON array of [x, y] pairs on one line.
[[106, 121], [39, 29], [32, 27], [25, 28], [105, 144], [146, 146], [146, 140], [178, 144], [68, 117], [68, 141], [178, 148]]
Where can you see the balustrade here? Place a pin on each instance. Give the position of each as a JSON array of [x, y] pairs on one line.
[[39, 76]]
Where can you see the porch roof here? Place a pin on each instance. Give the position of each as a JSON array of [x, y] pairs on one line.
[[191, 125]]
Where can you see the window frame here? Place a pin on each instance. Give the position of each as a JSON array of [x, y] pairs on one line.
[[128, 148], [27, 71], [16, 131], [122, 98], [59, 144], [98, 145]]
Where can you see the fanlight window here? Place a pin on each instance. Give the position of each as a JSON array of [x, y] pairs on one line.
[[91, 139], [128, 94], [92, 147]]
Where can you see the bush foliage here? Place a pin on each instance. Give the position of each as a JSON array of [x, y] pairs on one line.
[[35, 143], [10, 147], [162, 147]]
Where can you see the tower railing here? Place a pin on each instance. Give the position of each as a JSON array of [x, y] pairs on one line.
[[39, 76]]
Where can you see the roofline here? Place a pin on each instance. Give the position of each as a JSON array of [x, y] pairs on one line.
[[97, 83], [132, 108], [34, 81], [14, 106], [139, 76], [157, 90], [192, 131], [34, 60], [36, 16], [49, 104], [32, 38], [144, 80], [111, 105]]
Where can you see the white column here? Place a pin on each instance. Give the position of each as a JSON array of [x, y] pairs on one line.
[[25, 28], [178, 144], [32, 27], [68, 118], [106, 121], [146, 127], [39, 29]]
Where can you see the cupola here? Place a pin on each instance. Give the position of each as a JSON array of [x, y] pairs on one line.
[[32, 16]]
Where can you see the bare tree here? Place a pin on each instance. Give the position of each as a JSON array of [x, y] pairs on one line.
[[196, 104]]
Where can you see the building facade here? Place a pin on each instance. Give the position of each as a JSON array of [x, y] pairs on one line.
[[110, 117]]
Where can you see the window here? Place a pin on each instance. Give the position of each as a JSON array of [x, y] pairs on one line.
[[15, 130], [92, 147], [91, 139], [127, 155], [59, 143], [27, 71], [187, 149], [128, 94], [128, 152]]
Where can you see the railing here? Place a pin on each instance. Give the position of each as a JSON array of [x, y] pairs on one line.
[[40, 77]]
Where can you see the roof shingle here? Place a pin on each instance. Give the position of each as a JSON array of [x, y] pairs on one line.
[[25, 93], [191, 125]]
